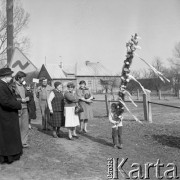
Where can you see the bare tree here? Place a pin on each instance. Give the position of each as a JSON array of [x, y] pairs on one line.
[[20, 19], [174, 71]]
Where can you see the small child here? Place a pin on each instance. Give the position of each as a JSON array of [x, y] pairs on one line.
[[115, 117], [30, 104]]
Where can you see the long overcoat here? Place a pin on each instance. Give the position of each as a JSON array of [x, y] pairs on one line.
[[10, 138], [31, 105]]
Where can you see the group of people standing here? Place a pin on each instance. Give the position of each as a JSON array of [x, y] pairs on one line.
[[17, 108], [14, 115], [58, 107]]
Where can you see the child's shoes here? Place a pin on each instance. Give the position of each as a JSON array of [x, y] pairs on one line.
[[120, 146]]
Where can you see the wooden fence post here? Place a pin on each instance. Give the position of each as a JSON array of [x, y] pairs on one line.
[[149, 110], [159, 93], [178, 94], [137, 94], [145, 107], [107, 107]]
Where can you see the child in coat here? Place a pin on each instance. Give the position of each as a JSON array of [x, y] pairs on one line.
[[30, 104], [115, 117]]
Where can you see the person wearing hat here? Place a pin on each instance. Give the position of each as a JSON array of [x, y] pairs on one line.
[[42, 94], [23, 113], [10, 137], [71, 119], [56, 107], [85, 100]]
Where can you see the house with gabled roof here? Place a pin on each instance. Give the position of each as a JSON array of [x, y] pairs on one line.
[[91, 72], [53, 72]]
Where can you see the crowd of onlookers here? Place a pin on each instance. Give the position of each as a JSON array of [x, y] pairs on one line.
[[59, 108]]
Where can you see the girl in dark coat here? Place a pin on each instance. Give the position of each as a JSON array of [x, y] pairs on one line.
[[30, 104], [10, 138]]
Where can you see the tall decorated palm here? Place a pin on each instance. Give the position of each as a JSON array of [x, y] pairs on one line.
[[131, 46]]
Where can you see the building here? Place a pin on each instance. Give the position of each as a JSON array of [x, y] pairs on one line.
[[91, 72]]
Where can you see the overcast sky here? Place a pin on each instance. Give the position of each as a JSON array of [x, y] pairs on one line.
[[97, 30]]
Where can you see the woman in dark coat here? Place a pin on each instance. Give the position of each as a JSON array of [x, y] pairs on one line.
[[56, 107], [10, 138], [30, 104]]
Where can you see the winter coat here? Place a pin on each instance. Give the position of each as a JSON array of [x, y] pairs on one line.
[[10, 138]]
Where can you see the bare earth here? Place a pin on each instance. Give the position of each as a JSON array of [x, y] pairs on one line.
[[86, 158]]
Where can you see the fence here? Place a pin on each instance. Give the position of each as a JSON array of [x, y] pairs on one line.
[[105, 105], [146, 108]]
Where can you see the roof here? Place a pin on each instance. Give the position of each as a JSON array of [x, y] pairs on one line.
[[53, 71], [87, 68]]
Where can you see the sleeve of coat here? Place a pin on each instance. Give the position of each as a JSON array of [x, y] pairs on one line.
[[8, 101], [51, 97], [79, 94]]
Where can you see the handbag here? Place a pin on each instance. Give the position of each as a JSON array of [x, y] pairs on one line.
[[78, 108]]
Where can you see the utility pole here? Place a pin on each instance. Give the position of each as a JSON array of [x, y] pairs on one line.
[[9, 15]]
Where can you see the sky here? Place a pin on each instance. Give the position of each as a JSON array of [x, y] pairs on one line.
[[97, 30]]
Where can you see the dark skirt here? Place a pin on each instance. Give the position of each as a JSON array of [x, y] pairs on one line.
[[57, 119], [9, 159], [31, 113], [32, 110]]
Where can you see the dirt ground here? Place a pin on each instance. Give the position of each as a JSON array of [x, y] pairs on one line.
[[85, 158]]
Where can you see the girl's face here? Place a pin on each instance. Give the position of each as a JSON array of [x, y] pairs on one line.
[[70, 89], [82, 85], [59, 88], [28, 88]]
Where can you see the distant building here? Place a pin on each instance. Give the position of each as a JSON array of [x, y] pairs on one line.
[[88, 71], [53, 72]]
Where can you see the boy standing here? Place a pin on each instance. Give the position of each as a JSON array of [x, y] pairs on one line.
[[115, 117]]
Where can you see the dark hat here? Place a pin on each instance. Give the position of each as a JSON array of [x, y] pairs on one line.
[[42, 78], [5, 71], [82, 82], [70, 84], [19, 74], [56, 84]]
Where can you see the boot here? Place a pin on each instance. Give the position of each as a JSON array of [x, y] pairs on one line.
[[120, 136], [115, 137]]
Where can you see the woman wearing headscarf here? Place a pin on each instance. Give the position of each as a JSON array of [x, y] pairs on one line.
[[71, 119], [85, 100], [56, 107]]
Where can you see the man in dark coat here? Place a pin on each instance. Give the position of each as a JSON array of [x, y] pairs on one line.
[[10, 138]]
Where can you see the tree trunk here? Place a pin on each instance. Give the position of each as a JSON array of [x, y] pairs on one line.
[[9, 12]]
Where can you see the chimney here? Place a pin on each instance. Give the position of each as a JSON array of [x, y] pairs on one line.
[[87, 62], [61, 65]]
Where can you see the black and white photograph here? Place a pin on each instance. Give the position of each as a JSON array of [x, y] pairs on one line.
[[89, 89]]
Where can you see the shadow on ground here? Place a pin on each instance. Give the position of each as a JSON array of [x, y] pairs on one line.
[[96, 139], [166, 140]]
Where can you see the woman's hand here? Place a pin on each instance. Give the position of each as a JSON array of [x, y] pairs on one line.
[[89, 100], [51, 111]]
